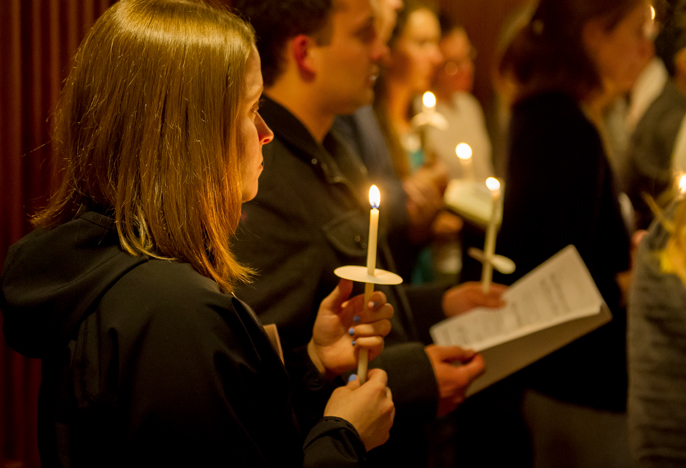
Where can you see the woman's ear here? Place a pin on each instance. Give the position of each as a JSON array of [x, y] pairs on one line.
[[680, 65], [304, 52], [592, 35]]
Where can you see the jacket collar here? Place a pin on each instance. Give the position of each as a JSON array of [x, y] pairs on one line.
[[289, 129], [326, 155]]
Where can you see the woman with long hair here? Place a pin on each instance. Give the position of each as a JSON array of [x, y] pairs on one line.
[[559, 187], [125, 289]]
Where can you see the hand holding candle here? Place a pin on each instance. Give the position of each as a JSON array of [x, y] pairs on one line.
[[369, 275], [342, 319], [374, 200]]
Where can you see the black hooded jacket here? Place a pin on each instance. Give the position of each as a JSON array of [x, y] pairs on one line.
[[147, 362]]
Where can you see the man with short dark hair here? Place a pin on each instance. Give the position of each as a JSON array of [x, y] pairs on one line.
[[320, 59]]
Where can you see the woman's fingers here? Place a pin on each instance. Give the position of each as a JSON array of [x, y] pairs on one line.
[[378, 328], [384, 312], [375, 343]]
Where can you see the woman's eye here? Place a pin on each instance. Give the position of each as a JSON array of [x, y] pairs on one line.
[[256, 107]]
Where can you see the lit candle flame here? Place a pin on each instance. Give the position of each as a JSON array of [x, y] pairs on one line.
[[463, 151], [682, 184], [492, 184], [429, 100], [374, 197]]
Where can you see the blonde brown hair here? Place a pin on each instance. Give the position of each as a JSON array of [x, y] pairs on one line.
[[146, 129]]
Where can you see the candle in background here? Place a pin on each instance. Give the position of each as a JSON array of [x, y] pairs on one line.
[[428, 102], [489, 249], [464, 152], [375, 201], [682, 184]]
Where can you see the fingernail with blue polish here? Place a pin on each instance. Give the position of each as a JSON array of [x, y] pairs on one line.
[[351, 331], [352, 377], [354, 341], [356, 319], [373, 304]]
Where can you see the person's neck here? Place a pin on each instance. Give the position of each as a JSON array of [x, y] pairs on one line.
[[399, 98], [300, 101], [597, 102], [443, 95]]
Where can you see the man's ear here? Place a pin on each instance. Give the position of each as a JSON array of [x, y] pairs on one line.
[[304, 53]]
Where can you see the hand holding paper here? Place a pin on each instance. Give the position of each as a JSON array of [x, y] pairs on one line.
[[546, 309], [467, 296], [453, 381]]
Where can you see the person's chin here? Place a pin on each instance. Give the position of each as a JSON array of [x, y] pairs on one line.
[[367, 97], [362, 99], [423, 84], [248, 195]]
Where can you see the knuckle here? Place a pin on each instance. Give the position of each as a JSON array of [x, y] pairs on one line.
[[390, 408]]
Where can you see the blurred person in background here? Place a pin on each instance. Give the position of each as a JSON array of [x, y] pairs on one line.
[[656, 153], [560, 189], [408, 72], [452, 85]]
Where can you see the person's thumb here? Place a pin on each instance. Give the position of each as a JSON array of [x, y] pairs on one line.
[[353, 382], [450, 353], [339, 295]]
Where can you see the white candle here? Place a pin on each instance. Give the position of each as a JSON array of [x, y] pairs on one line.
[[464, 152], [682, 184], [489, 248], [428, 102], [375, 201]]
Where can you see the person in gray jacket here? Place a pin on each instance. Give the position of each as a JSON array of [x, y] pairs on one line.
[[657, 345]]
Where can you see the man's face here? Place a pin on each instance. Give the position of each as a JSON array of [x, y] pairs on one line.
[[456, 73], [348, 65]]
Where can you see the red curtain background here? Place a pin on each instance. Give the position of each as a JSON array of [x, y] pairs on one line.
[[37, 40]]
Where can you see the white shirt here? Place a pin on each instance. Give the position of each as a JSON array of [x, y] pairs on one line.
[[466, 125]]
